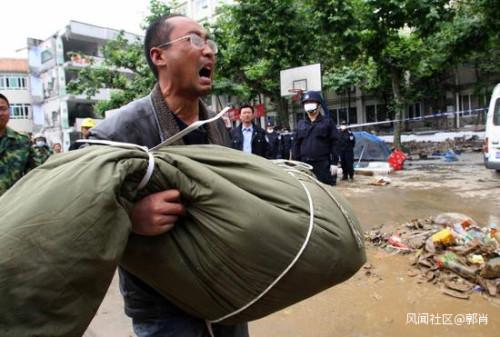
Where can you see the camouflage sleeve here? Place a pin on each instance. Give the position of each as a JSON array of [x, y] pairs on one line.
[[38, 156]]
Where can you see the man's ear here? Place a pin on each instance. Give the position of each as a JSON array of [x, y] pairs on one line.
[[157, 57]]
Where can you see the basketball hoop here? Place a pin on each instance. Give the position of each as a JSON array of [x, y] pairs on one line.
[[297, 94]]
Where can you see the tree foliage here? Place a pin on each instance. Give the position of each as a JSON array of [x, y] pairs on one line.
[[124, 69]]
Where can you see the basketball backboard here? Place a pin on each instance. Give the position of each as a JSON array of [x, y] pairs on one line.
[[304, 78]]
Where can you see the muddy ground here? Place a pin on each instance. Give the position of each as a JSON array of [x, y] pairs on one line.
[[382, 301]]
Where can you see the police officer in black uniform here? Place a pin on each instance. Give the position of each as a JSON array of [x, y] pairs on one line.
[[316, 140], [346, 149], [248, 137], [273, 139]]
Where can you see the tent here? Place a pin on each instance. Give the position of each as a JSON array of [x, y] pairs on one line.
[[370, 147]]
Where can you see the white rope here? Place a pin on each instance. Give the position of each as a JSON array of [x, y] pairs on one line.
[[191, 128], [151, 160], [297, 256]]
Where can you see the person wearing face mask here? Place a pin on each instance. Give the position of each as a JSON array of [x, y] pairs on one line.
[[274, 140], [346, 151], [41, 149], [316, 140]]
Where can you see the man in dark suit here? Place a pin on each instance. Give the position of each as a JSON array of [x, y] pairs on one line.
[[248, 137]]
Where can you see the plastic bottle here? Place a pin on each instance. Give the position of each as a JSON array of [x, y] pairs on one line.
[[450, 261]]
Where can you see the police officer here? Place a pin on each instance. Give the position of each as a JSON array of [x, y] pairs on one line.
[[248, 137], [41, 149], [316, 140], [346, 149], [274, 140]]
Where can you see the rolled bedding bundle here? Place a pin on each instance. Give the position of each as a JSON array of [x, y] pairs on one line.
[[256, 236]]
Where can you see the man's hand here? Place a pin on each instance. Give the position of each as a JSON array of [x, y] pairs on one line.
[[333, 170], [157, 213]]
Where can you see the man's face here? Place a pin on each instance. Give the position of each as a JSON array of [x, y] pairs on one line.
[[190, 69], [4, 113], [85, 132], [311, 108], [246, 115]]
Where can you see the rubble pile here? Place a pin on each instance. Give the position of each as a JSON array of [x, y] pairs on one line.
[[450, 249], [426, 149]]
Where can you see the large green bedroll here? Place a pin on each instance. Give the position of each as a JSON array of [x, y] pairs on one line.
[[255, 238]]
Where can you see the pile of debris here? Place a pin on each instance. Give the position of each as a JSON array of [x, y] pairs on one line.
[[450, 249], [427, 149]]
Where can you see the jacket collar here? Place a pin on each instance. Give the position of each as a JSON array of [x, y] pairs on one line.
[[168, 124]]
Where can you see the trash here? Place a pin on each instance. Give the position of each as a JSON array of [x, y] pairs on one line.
[[489, 285], [454, 293], [491, 269], [443, 237], [459, 284], [451, 249], [395, 241], [476, 259], [380, 181], [450, 260], [450, 156]]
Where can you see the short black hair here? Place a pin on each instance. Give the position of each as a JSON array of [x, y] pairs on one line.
[[5, 98], [247, 105], [155, 36]]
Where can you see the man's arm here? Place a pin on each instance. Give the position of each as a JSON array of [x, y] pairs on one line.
[[334, 138]]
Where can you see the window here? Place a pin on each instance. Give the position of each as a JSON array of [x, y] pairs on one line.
[[370, 114], [20, 111], [414, 111], [496, 114], [353, 115], [381, 113], [46, 56], [12, 81]]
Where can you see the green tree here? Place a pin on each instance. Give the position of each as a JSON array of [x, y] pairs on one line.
[[258, 38], [124, 69]]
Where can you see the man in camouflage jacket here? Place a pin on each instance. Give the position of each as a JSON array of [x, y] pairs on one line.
[[16, 153]]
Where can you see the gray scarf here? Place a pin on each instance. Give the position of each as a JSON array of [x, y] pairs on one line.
[[169, 126]]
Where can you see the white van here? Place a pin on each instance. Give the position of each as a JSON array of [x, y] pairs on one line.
[[491, 147]]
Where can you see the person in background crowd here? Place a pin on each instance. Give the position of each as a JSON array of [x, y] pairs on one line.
[[41, 149], [57, 148], [182, 58], [346, 149], [316, 140], [274, 140], [16, 153], [87, 124], [286, 144], [248, 137]]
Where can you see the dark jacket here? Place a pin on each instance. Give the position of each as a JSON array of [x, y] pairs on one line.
[[274, 141], [316, 141], [346, 140], [147, 122], [260, 146]]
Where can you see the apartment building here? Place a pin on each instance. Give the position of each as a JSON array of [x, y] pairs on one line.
[[53, 63], [15, 85]]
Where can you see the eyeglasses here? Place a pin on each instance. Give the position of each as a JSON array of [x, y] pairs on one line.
[[4, 108], [196, 41]]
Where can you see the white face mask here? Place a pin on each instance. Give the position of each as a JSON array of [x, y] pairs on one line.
[[310, 106], [343, 127], [40, 143]]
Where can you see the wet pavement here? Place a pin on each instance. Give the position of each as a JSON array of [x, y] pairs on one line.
[[382, 300]]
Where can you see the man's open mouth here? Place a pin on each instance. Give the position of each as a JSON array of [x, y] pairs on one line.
[[206, 72]]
